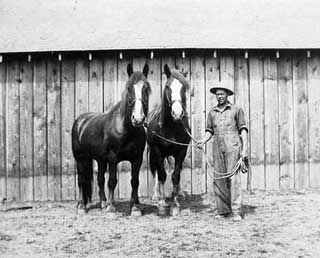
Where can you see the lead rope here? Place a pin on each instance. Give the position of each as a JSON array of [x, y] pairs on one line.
[[239, 165], [235, 169]]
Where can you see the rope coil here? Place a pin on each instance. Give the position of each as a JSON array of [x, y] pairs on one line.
[[240, 165]]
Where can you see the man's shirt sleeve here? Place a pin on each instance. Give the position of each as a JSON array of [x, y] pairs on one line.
[[209, 127], [241, 122]]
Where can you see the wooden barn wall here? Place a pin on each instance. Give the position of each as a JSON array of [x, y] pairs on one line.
[[39, 101]]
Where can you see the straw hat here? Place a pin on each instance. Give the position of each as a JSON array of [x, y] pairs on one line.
[[224, 86]]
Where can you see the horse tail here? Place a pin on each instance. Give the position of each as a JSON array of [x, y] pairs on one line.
[[85, 178], [84, 164], [89, 182]]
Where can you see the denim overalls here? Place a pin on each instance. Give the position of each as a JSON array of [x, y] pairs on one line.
[[226, 125]]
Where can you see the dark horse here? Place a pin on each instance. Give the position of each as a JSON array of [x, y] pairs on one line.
[[111, 137], [169, 120]]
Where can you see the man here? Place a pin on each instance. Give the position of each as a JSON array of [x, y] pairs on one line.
[[226, 123]]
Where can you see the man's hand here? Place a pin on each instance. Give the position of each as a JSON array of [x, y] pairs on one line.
[[244, 154], [200, 145], [244, 165], [203, 141]]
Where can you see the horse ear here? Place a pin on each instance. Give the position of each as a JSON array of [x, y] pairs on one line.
[[146, 70], [167, 70], [129, 70]]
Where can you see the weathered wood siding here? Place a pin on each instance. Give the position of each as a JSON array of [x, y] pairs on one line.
[[39, 101]]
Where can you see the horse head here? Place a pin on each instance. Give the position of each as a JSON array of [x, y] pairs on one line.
[[175, 93], [137, 95]]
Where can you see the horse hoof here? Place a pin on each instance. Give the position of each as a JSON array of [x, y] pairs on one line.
[[163, 203], [163, 208], [81, 209], [182, 196], [103, 205], [111, 208], [136, 212], [91, 205], [155, 197], [175, 211]]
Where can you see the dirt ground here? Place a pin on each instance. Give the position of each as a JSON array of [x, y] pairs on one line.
[[277, 224]]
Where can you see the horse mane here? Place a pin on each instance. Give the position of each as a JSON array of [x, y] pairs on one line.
[[176, 74], [112, 110]]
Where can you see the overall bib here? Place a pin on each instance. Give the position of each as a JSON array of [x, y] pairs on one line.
[[225, 125]]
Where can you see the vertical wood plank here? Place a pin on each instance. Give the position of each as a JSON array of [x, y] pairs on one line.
[[286, 146], [26, 131], [67, 118], [54, 127], [13, 161], [3, 180], [198, 119], [95, 105], [110, 75], [256, 130], [81, 92], [167, 58], [154, 79], [40, 130], [183, 64], [301, 137], [82, 86], [212, 78], [227, 71], [313, 75], [271, 123], [124, 168], [138, 63], [109, 81], [241, 95]]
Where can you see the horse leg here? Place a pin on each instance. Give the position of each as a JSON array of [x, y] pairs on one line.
[[112, 182], [175, 210], [179, 158], [156, 188], [135, 169], [102, 167], [162, 176], [153, 167], [176, 182], [85, 175]]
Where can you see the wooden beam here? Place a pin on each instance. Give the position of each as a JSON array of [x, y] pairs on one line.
[[40, 145], [26, 131]]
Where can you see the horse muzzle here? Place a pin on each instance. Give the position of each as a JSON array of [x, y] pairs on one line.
[[177, 111], [137, 121], [177, 117]]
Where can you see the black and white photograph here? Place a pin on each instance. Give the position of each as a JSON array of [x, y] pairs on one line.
[[161, 129]]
